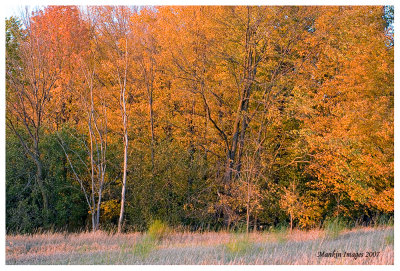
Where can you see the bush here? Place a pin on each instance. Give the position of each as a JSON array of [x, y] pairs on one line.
[[158, 230]]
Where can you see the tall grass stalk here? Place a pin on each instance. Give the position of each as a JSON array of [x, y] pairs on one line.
[[299, 247]]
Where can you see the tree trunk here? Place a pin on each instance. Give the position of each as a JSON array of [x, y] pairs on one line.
[[126, 141], [255, 222], [94, 226], [241, 121], [39, 179], [98, 207], [247, 218], [151, 128], [125, 166], [121, 215], [291, 222], [235, 152]]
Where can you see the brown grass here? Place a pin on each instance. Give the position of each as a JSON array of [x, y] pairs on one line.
[[298, 247]]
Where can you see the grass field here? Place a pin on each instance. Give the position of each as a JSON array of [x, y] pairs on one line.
[[277, 247]]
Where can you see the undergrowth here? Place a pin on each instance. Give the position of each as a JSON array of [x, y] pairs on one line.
[[154, 235]]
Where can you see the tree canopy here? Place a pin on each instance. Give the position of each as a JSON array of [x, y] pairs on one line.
[[200, 116]]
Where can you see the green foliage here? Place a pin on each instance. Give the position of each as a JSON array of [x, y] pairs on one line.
[[67, 204], [389, 239], [158, 230], [144, 246], [148, 242], [239, 244], [14, 35], [333, 227], [383, 220], [280, 233]]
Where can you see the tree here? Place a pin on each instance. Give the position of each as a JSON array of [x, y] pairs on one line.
[[348, 124], [290, 202], [91, 104], [114, 34], [31, 78], [228, 115]]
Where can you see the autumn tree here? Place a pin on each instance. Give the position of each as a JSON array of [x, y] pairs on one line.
[[91, 102], [228, 115], [116, 49], [32, 78], [348, 110]]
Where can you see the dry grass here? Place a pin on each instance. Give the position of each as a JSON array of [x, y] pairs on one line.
[[298, 247]]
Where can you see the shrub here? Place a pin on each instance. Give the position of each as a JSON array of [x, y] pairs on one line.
[[158, 230]]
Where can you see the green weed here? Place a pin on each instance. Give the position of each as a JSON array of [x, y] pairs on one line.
[[158, 230], [239, 245], [280, 233], [389, 239], [144, 246], [333, 228]]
